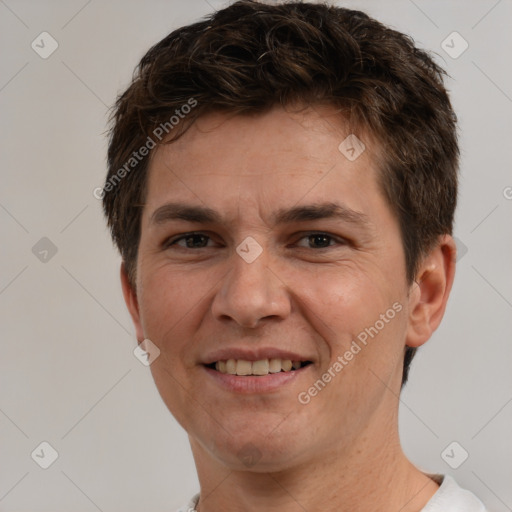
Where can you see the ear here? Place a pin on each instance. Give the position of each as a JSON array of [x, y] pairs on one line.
[[429, 293], [130, 298]]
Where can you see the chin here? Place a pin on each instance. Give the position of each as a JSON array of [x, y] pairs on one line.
[[256, 449]]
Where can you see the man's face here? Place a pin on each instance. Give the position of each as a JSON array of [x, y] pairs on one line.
[[257, 284]]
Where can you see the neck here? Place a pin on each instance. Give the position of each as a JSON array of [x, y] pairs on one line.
[[366, 476]]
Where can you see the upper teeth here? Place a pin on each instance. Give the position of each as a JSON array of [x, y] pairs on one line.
[[261, 367]]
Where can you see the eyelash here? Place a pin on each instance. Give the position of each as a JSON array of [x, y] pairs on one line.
[[170, 242]]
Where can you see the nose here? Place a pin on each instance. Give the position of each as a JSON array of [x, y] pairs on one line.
[[251, 293]]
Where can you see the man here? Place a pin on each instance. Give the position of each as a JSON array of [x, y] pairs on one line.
[[282, 184]]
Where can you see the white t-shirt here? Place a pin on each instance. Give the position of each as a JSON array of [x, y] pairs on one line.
[[450, 497]]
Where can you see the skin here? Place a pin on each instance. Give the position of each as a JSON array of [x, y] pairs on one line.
[[340, 451]]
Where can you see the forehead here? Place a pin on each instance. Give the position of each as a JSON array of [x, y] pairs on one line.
[[230, 162], [310, 133]]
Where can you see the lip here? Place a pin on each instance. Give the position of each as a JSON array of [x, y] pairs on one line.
[[253, 354], [255, 384]]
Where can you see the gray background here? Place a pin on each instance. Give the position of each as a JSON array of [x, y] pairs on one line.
[[68, 375]]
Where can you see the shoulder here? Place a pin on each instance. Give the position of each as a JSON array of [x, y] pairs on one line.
[[191, 506], [450, 497]]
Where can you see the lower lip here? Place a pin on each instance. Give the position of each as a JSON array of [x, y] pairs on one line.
[[252, 384]]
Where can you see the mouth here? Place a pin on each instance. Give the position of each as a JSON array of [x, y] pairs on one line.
[[260, 368]]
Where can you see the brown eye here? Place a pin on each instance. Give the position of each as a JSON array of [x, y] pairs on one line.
[[321, 241], [191, 241]]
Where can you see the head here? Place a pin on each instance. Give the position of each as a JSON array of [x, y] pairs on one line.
[[243, 113]]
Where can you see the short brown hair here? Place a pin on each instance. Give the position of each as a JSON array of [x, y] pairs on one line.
[[252, 56]]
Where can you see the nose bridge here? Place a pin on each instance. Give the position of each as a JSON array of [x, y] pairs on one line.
[[249, 265], [250, 291]]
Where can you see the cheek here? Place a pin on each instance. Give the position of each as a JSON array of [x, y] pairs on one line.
[[362, 350], [167, 302], [360, 317], [170, 306], [346, 297]]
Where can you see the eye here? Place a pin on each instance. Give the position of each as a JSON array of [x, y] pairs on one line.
[[322, 240], [197, 240], [190, 241]]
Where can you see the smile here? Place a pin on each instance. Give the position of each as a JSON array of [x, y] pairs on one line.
[[262, 367]]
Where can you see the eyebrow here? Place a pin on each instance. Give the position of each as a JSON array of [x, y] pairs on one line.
[[205, 215]]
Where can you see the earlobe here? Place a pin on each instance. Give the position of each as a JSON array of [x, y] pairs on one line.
[[429, 294], [130, 298]]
